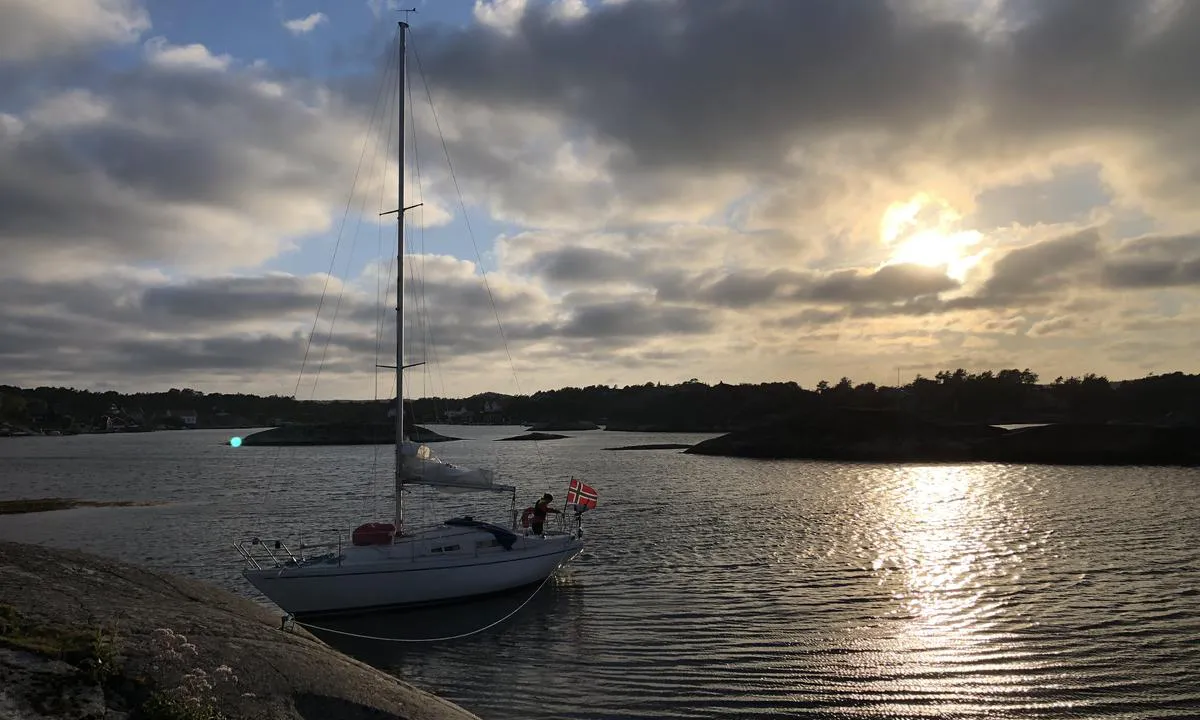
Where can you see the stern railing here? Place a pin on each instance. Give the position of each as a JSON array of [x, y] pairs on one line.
[[259, 553]]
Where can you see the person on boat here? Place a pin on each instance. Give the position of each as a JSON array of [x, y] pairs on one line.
[[540, 509]]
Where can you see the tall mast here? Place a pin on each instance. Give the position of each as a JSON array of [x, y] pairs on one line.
[[400, 72]]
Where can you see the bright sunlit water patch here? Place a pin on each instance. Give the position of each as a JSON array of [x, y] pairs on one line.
[[717, 587], [944, 549]]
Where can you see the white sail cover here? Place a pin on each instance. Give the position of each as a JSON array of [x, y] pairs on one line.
[[420, 466]]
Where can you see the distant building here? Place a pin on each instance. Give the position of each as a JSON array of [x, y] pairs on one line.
[[187, 417]]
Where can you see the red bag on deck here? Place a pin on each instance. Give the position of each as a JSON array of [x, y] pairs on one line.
[[373, 534]]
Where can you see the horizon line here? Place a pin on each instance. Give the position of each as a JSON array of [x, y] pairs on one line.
[[692, 381]]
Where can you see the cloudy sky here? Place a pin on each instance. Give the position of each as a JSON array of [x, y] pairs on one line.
[[657, 189]]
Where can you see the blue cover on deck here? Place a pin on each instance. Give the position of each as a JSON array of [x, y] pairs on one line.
[[503, 536]]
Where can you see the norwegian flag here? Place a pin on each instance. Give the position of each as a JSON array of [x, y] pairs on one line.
[[580, 494]]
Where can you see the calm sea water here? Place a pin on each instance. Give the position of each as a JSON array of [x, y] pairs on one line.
[[713, 587]]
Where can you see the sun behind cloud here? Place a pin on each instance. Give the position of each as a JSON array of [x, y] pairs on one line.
[[922, 231]]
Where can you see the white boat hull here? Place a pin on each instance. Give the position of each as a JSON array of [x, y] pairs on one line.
[[407, 573]]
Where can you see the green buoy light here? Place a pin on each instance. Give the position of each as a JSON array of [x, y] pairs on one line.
[[235, 441]]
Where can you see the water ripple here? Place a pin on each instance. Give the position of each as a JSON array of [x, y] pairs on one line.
[[718, 587]]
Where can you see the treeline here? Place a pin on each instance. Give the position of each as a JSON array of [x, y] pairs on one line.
[[1017, 396], [1007, 396], [72, 410]]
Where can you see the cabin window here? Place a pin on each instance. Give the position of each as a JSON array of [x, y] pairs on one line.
[[445, 548], [486, 543]]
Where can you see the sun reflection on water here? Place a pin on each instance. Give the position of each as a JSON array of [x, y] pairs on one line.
[[944, 541], [933, 546]]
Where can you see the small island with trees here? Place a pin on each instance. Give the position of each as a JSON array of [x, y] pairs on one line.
[[953, 416]]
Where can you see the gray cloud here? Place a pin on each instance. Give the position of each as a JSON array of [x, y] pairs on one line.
[[1154, 262], [1041, 267], [636, 117], [650, 268], [890, 283], [1035, 274], [1111, 76], [226, 354], [782, 92], [574, 265], [235, 298], [750, 288], [1151, 273], [256, 326], [175, 161], [95, 329], [716, 84], [1052, 326], [1075, 64], [808, 317], [743, 289], [27, 340], [33, 29], [634, 318]]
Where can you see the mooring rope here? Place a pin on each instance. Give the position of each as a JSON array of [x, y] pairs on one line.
[[360, 636]]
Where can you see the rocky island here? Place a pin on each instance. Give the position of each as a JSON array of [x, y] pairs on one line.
[[535, 436], [34, 505], [848, 434], [339, 434], [652, 446], [561, 425], [83, 636]]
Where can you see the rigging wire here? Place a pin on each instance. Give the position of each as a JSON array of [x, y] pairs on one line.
[[382, 287], [418, 289], [332, 261], [466, 217], [345, 214], [350, 256], [422, 297], [427, 345], [467, 220]]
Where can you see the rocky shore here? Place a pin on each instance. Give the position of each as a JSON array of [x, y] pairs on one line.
[[340, 434], [536, 436], [889, 436], [652, 446], [86, 637], [682, 426], [17, 507], [564, 425]]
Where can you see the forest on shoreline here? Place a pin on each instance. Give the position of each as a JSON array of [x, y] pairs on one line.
[[1009, 396]]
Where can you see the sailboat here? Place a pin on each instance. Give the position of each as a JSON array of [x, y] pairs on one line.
[[387, 565]]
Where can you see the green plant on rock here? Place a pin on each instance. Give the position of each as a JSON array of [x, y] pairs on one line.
[[8, 619], [92, 650], [101, 661]]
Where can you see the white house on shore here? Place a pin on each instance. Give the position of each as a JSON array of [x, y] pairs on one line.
[[187, 417]]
